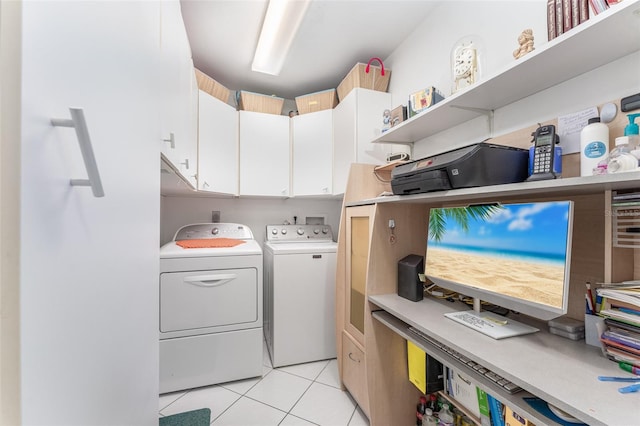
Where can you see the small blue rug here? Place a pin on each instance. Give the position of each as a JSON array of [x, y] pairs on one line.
[[201, 417]]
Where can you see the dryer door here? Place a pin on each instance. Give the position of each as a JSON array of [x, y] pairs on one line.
[[204, 299]]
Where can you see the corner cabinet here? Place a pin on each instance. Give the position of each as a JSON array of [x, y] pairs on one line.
[[265, 153], [572, 367], [217, 146], [357, 119]]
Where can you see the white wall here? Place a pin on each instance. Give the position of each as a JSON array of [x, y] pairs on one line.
[[252, 212], [424, 60]]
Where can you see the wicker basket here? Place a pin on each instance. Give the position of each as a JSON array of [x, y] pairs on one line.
[[249, 101], [358, 77], [212, 87], [317, 101]]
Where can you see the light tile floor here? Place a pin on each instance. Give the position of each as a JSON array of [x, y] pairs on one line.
[[304, 394]]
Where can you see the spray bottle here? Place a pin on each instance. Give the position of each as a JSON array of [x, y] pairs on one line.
[[624, 157], [633, 131]]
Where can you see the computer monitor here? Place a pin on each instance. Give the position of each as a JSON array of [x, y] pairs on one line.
[[516, 256]]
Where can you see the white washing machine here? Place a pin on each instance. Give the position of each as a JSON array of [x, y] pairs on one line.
[[299, 304], [211, 307]]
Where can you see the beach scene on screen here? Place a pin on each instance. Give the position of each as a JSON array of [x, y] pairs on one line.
[[517, 250]]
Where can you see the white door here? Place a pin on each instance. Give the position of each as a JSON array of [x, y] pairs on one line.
[[89, 266], [217, 146], [312, 137], [264, 154]]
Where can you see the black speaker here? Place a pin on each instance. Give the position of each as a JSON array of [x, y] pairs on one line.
[[409, 284]]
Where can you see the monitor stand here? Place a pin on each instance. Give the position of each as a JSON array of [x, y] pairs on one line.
[[493, 325]]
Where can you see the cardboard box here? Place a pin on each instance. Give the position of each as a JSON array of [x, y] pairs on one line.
[[317, 101], [256, 102], [358, 77], [212, 87]]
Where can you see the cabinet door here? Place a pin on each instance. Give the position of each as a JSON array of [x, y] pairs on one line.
[[357, 121], [312, 137], [217, 146], [344, 141], [89, 266], [264, 154], [176, 85], [359, 223]]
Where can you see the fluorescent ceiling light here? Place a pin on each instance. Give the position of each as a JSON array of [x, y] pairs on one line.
[[280, 26]]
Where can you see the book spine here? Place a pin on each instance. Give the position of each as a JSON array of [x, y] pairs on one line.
[[575, 13], [495, 408], [594, 6], [551, 19], [584, 10], [567, 22], [559, 18]]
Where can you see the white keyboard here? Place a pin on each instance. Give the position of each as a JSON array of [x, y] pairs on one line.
[[497, 379], [494, 326]]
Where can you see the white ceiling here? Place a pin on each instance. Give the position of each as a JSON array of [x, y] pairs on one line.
[[333, 37]]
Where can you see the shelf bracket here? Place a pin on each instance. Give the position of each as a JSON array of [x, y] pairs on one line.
[[487, 112]]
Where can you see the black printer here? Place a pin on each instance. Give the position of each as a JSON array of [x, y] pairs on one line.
[[480, 164]]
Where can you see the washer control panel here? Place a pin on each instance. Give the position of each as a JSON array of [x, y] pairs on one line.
[[298, 233], [200, 231]]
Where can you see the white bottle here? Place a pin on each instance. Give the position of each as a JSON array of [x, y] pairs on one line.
[[445, 418], [594, 146], [428, 419]]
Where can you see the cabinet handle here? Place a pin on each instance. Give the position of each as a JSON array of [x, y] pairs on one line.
[[79, 123], [171, 140], [205, 184], [352, 358], [185, 163]]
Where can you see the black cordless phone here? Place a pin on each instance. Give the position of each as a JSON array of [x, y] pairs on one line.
[[543, 151]]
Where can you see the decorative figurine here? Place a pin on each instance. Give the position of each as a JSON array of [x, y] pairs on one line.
[[386, 120], [526, 43]]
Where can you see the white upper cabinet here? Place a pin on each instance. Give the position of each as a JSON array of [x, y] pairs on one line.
[[264, 154], [178, 97], [312, 138], [217, 146], [357, 120]]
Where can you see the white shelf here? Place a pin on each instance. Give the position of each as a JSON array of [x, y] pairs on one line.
[[604, 38], [553, 187]]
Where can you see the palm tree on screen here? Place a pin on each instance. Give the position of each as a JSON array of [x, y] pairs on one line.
[[462, 215]]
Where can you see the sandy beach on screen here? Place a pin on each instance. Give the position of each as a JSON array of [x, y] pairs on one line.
[[509, 277]]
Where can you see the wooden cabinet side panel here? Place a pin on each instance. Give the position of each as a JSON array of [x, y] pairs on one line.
[[386, 353]]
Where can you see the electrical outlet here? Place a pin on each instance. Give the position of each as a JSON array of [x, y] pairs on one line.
[[215, 216]]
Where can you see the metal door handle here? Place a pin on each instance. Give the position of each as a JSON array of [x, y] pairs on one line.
[[78, 122], [215, 280], [171, 140]]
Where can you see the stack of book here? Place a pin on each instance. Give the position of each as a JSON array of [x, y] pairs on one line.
[[620, 306], [563, 15]]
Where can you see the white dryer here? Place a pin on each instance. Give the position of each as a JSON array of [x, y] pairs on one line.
[[299, 304], [210, 306]]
